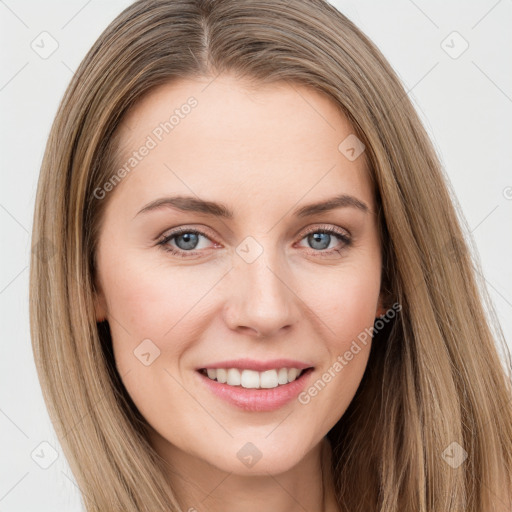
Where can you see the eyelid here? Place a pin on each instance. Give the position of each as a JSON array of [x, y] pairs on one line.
[[343, 234], [325, 227], [203, 230], [170, 232]]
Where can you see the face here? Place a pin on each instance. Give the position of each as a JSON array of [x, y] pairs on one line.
[[241, 275]]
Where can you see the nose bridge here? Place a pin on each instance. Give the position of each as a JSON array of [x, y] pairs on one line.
[[260, 295]]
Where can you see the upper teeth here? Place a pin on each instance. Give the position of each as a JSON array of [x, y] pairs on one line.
[[253, 379]]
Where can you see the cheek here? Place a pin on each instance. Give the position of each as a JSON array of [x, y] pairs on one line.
[[155, 316], [345, 306], [345, 300], [153, 301], [145, 298]]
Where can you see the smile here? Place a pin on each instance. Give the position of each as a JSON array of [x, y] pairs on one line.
[[251, 379], [250, 394]]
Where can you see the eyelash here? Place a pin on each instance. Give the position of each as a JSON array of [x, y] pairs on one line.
[[345, 239]]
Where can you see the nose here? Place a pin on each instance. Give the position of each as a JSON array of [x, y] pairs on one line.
[[261, 301]]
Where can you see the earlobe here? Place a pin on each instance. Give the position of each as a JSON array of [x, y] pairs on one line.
[[381, 310], [100, 306]]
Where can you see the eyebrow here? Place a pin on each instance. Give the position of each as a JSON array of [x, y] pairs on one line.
[[193, 204]]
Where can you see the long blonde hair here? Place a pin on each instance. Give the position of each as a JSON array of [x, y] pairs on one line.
[[434, 377]]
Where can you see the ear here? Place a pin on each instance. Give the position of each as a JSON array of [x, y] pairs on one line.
[[381, 310], [100, 305]]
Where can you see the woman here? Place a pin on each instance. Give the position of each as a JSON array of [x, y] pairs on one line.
[[257, 289]]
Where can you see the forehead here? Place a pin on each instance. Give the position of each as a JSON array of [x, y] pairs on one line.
[[212, 135]]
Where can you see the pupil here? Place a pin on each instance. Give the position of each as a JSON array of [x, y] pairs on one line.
[[317, 238], [190, 240]]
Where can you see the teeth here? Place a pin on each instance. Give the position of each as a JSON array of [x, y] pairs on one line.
[[222, 376], [251, 379], [282, 376], [292, 374], [268, 379], [233, 377]]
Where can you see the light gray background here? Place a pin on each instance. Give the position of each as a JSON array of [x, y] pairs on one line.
[[465, 103]]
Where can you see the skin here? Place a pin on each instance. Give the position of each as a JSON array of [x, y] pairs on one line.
[[262, 152]]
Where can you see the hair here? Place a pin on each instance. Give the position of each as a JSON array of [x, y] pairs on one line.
[[433, 378]]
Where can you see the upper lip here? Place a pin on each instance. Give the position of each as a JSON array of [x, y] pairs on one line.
[[259, 366]]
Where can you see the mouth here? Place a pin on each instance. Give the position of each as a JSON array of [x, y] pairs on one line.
[[255, 391], [252, 379]]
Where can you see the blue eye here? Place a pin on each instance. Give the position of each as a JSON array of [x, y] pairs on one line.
[[319, 239], [186, 241], [190, 240]]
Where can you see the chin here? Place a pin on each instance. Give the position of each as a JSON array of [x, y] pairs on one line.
[[258, 456]]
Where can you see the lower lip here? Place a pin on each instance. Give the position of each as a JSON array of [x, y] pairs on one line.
[[258, 400]]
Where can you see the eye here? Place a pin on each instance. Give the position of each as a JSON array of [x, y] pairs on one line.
[[187, 242], [326, 240]]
